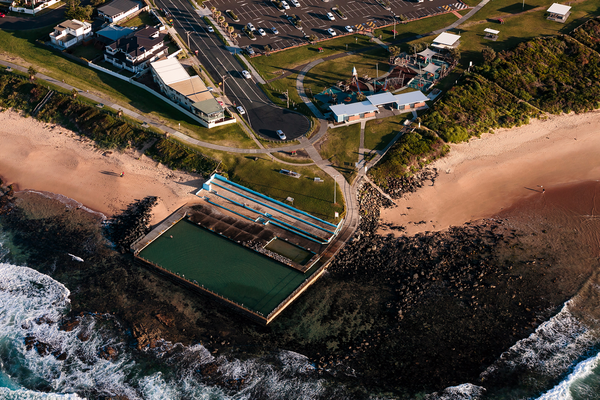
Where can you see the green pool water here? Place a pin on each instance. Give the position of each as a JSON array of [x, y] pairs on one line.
[[294, 253], [233, 271]]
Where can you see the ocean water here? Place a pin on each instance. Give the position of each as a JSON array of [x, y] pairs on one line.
[[560, 360]]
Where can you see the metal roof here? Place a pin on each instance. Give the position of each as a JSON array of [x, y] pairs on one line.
[[117, 7], [193, 88], [353, 108], [559, 9], [492, 31], [170, 71], [209, 106], [447, 39], [411, 97], [381, 98]]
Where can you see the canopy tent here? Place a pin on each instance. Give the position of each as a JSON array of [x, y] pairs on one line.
[[491, 34], [446, 40], [559, 9], [427, 53], [492, 31], [431, 68]]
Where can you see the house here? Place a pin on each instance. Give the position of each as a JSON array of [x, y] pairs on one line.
[[134, 51], [69, 33], [558, 12], [190, 92], [446, 41], [119, 9], [368, 108]]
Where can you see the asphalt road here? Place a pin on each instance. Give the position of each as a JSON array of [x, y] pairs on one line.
[[264, 117]]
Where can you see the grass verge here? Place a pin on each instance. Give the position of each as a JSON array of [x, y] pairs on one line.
[[340, 147], [379, 132]]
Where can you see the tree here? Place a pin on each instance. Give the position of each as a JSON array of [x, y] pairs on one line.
[[225, 25], [217, 14], [394, 51], [455, 53], [488, 54], [230, 29], [96, 3], [268, 49], [220, 20], [213, 9], [74, 92], [312, 38], [360, 96], [32, 72]]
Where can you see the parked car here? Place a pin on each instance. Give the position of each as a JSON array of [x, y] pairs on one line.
[[246, 74], [296, 3], [249, 50], [262, 32], [2, 15], [250, 27], [210, 88], [348, 28], [275, 31], [241, 110], [281, 134], [331, 32], [285, 5], [330, 16], [210, 29]]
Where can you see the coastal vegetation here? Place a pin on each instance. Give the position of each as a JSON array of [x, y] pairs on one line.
[[475, 106], [410, 153], [589, 34]]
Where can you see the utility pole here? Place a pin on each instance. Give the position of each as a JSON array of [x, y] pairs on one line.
[[377, 69], [395, 24], [188, 37], [223, 84], [287, 97]]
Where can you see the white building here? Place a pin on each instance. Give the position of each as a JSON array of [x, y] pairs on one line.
[[190, 92], [558, 12], [119, 9], [446, 41], [69, 33], [368, 108]]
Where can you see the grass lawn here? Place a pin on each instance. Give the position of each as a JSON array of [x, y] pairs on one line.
[[264, 177], [341, 148], [50, 62], [379, 132], [143, 18], [275, 90], [328, 73], [88, 53], [415, 28], [285, 156], [275, 64]]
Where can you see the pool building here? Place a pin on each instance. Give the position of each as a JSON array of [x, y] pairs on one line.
[[246, 250]]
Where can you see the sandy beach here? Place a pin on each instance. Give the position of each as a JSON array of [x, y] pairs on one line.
[[47, 157], [480, 178]]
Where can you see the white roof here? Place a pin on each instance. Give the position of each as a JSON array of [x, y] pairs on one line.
[[411, 97], [170, 70], [559, 9], [447, 39], [492, 31], [381, 98], [353, 108]]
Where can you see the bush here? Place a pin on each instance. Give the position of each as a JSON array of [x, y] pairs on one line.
[[176, 156]]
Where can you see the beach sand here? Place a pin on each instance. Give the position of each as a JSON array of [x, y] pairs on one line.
[[480, 178], [47, 157]]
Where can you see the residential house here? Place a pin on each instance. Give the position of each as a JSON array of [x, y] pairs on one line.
[[190, 92], [69, 33], [119, 9], [135, 51]]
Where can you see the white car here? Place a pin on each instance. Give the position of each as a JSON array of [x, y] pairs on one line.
[[275, 31], [296, 3], [262, 32], [331, 32], [285, 5], [210, 29], [250, 27], [348, 28], [330, 16], [241, 110], [281, 134], [246, 74]]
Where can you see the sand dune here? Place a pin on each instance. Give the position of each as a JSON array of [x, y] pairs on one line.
[[480, 178], [45, 157]]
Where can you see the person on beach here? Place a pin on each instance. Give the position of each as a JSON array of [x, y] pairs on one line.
[[122, 174]]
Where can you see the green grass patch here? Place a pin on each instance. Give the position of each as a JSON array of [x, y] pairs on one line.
[[328, 73], [379, 132], [275, 64], [143, 18], [87, 53], [285, 156], [415, 28], [340, 147]]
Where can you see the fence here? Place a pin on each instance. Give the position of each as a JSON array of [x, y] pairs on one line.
[[163, 98], [35, 10]]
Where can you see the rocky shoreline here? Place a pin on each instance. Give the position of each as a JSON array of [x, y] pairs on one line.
[[405, 315]]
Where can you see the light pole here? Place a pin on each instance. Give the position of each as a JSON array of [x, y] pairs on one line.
[[394, 24], [377, 69], [188, 38]]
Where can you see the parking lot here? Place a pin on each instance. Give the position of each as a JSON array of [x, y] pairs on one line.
[[366, 13]]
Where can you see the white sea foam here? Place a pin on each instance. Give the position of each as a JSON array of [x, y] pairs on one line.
[[551, 349], [562, 391], [466, 391], [69, 202]]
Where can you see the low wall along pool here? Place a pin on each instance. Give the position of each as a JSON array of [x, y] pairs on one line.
[[224, 267]]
